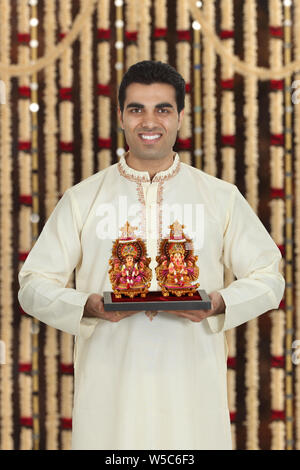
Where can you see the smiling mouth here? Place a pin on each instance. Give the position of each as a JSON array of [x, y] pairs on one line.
[[150, 138]]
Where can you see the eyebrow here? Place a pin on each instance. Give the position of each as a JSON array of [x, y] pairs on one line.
[[159, 105]]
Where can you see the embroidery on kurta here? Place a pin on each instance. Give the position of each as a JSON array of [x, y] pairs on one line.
[[140, 177]]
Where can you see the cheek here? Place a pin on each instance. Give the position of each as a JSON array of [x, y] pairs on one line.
[[172, 127]]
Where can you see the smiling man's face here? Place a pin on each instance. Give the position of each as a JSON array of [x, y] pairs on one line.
[[150, 120]]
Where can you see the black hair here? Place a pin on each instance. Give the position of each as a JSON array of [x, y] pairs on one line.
[[148, 72]]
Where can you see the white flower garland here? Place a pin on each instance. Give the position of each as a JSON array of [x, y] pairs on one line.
[[183, 59], [160, 30], [66, 108], [25, 238], [39, 64], [228, 174], [34, 227], [6, 272], [86, 97], [251, 155], [132, 32], [197, 92], [144, 30], [209, 94], [297, 221], [119, 66], [277, 426], [289, 234], [104, 81], [242, 67], [51, 197]]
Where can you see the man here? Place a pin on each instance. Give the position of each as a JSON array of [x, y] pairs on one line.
[[158, 384]]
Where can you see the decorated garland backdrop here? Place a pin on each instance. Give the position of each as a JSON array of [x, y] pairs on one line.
[[60, 66]]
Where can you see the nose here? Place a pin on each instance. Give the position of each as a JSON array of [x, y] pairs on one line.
[[148, 121]]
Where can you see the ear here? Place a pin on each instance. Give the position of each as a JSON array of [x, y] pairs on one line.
[[180, 118], [120, 118]]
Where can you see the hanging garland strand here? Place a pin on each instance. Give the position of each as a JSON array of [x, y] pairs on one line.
[[51, 197], [209, 98], [183, 58], [228, 174], [243, 68], [289, 227], [86, 77], [56, 51], [239, 66], [35, 233], [25, 239], [277, 424], [197, 92], [6, 270], [131, 33], [296, 102], [251, 156], [119, 66], [104, 87], [66, 112], [160, 30]]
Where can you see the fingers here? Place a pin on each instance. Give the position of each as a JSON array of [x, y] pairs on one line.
[[193, 315], [117, 316]]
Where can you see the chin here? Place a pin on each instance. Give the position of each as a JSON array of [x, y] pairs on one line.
[[150, 154]]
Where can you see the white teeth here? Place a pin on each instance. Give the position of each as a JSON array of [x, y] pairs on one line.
[[150, 137]]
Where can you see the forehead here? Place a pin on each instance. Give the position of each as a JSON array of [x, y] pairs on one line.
[[150, 94]]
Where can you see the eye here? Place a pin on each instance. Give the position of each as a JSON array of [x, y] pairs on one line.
[[163, 110], [135, 110]]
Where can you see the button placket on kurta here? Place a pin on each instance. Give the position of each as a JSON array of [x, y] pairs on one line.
[[150, 198]]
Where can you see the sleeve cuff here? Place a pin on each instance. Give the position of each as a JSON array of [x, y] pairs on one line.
[[87, 325], [216, 322]]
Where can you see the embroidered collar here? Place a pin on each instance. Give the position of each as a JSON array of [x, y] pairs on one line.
[[143, 176]]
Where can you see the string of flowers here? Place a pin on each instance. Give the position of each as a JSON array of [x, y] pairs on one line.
[[144, 30], [119, 66], [104, 79], [131, 33], [25, 239], [277, 425], [251, 155], [289, 233], [183, 59], [296, 102], [25, 385], [86, 97], [51, 197], [66, 396], [14, 70], [209, 94], [66, 109], [6, 273], [242, 67], [34, 107], [160, 30], [197, 94], [228, 174]]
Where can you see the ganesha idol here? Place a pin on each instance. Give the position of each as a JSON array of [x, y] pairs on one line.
[[176, 269], [129, 274]]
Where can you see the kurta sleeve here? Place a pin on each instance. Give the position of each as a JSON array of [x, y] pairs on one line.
[[47, 270], [253, 257]]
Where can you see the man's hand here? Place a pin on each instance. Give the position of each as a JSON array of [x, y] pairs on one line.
[[94, 307], [217, 307]]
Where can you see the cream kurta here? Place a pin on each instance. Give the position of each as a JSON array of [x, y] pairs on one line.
[[142, 384]]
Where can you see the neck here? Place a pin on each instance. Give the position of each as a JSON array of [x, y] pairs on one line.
[[153, 166]]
